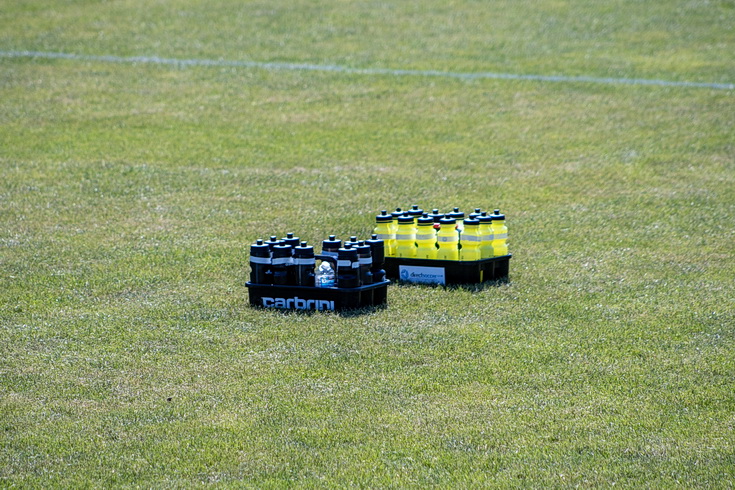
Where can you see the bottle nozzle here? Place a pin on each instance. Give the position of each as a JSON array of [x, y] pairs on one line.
[[332, 237], [303, 244], [374, 236], [259, 241]]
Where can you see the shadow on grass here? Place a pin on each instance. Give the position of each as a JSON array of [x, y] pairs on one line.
[[472, 287], [346, 313]]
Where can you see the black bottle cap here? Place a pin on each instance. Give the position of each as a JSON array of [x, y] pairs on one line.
[[260, 249], [332, 243], [384, 216], [415, 211], [436, 215], [405, 219], [426, 220], [303, 251], [272, 241], [448, 221], [484, 218], [398, 212], [289, 239], [456, 214], [497, 215], [347, 253], [282, 251], [363, 249], [374, 236], [471, 222]]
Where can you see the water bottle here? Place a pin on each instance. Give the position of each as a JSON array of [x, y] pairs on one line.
[[347, 267], [425, 238], [500, 234], [384, 231], [448, 240], [377, 250], [406, 237], [470, 240], [325, 277], [282, 265], [486, 236], [365, 261], [260, 263], [304, 262]]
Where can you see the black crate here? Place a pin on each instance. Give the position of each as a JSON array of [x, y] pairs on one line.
[[447, 272], [312, 298]]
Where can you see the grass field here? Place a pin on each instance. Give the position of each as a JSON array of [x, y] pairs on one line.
[[129, 193]]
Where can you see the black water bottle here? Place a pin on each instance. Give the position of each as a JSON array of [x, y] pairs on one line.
[[331, 246], [347, 267], [260, 263], [304, 263], [282, 265], [365, 261], [377, 251]]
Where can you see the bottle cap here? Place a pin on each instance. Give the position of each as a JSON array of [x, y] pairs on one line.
[[303, 251], [398, 212], [402, 220], [484, 218], [347, 253], [260, 249], [289, 239], [456, 214], [471, 222], [282, 251], [363, 249], [384, 217], [436, 215], [426, 220], [272, 241], [331, 244], [415, 211], [497, 216], [448, 221]]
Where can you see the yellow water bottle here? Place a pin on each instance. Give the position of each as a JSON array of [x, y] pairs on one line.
[[470, 240], [384, 230], [486, 236], [500, 234], [448, 240], [426, 238], [406, 237]]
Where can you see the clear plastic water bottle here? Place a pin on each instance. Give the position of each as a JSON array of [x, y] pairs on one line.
[[324, 277]]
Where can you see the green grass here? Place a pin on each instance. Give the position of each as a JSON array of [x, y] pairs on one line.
[[129, 194]]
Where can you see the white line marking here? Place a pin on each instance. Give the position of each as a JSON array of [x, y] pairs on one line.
[[360, 71]]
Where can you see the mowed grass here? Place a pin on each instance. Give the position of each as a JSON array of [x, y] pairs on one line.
[[130, 193]]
